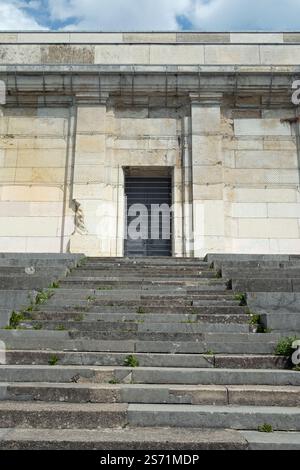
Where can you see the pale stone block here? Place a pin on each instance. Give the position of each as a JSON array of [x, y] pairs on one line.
[[90, 174], [40, 175], [240, 144], [284, 210], [15, 209], [90, 158], [210, 244], [29, 226], [214, 218], [98, 192], [177, 55], [88, 244], [38, 38], [278, 113], [113, 142], [90, 143], [9, 158], [249, 210], [32, 193], [20, 54], [8, 38], [256, 38], [148, 127], [203, 37], [146, 158], [37, 143], [268, 228], [280, 144], [280, 55], [207, 150], [3, 127], [261, 195], [207, 175], [231, 54], [250, 245], [262, 127], [41, 158], [131, 113], [168, 143], [13, 244], [7, 175], [260, 176], [2, 158], [46, 244], [91, 119], [51, 113], [207, 192], [36, 126], [45, 209], [266, 159], [205, 119], [67, 54], [149, 37], [229, 159], [122, 54], [96, 38], [289, 246]]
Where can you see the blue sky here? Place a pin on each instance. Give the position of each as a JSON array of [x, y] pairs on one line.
[[150, 15]]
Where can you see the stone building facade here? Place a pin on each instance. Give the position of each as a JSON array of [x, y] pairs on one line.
[[210, 113]]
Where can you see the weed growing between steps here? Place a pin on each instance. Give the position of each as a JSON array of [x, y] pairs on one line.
[[265, 428], [53, 361], [18, 317], [285, 346], [242, 298], [131, 361], [256, 322], [141, 311]]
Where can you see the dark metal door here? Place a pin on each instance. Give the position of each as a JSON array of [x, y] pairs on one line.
[[153, 236]]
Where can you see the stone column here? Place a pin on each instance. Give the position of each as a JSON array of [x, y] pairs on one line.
[[207, 173], [93, 201], [187, 193]]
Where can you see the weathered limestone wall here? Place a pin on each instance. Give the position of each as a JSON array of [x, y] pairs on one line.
[[109, 139], [34, 214], [261, 183], [215, 129]]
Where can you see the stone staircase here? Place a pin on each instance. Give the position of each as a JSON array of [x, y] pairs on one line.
[[145, 354]]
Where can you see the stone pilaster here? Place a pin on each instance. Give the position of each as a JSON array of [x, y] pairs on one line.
[[207, 173], [95, 211]]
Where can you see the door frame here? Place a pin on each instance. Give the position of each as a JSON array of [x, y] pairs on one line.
[[148, 172]]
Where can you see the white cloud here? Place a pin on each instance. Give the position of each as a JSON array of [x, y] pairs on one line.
[[120, 14], [14, 17], [246, 14], [137, 15]]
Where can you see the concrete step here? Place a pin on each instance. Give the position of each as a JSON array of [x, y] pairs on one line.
[[210, 376], [176, 439], [226, 417], [120, 329], [144, 274], [148, 375], [62, 415], [102, 283], [272, 441], [134, 294], [112, 302], [229, 343], [134, 317], [153, 260], [21, 357], [246, 395]]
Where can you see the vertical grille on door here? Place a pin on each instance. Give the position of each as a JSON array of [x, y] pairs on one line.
[[148, 191]]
